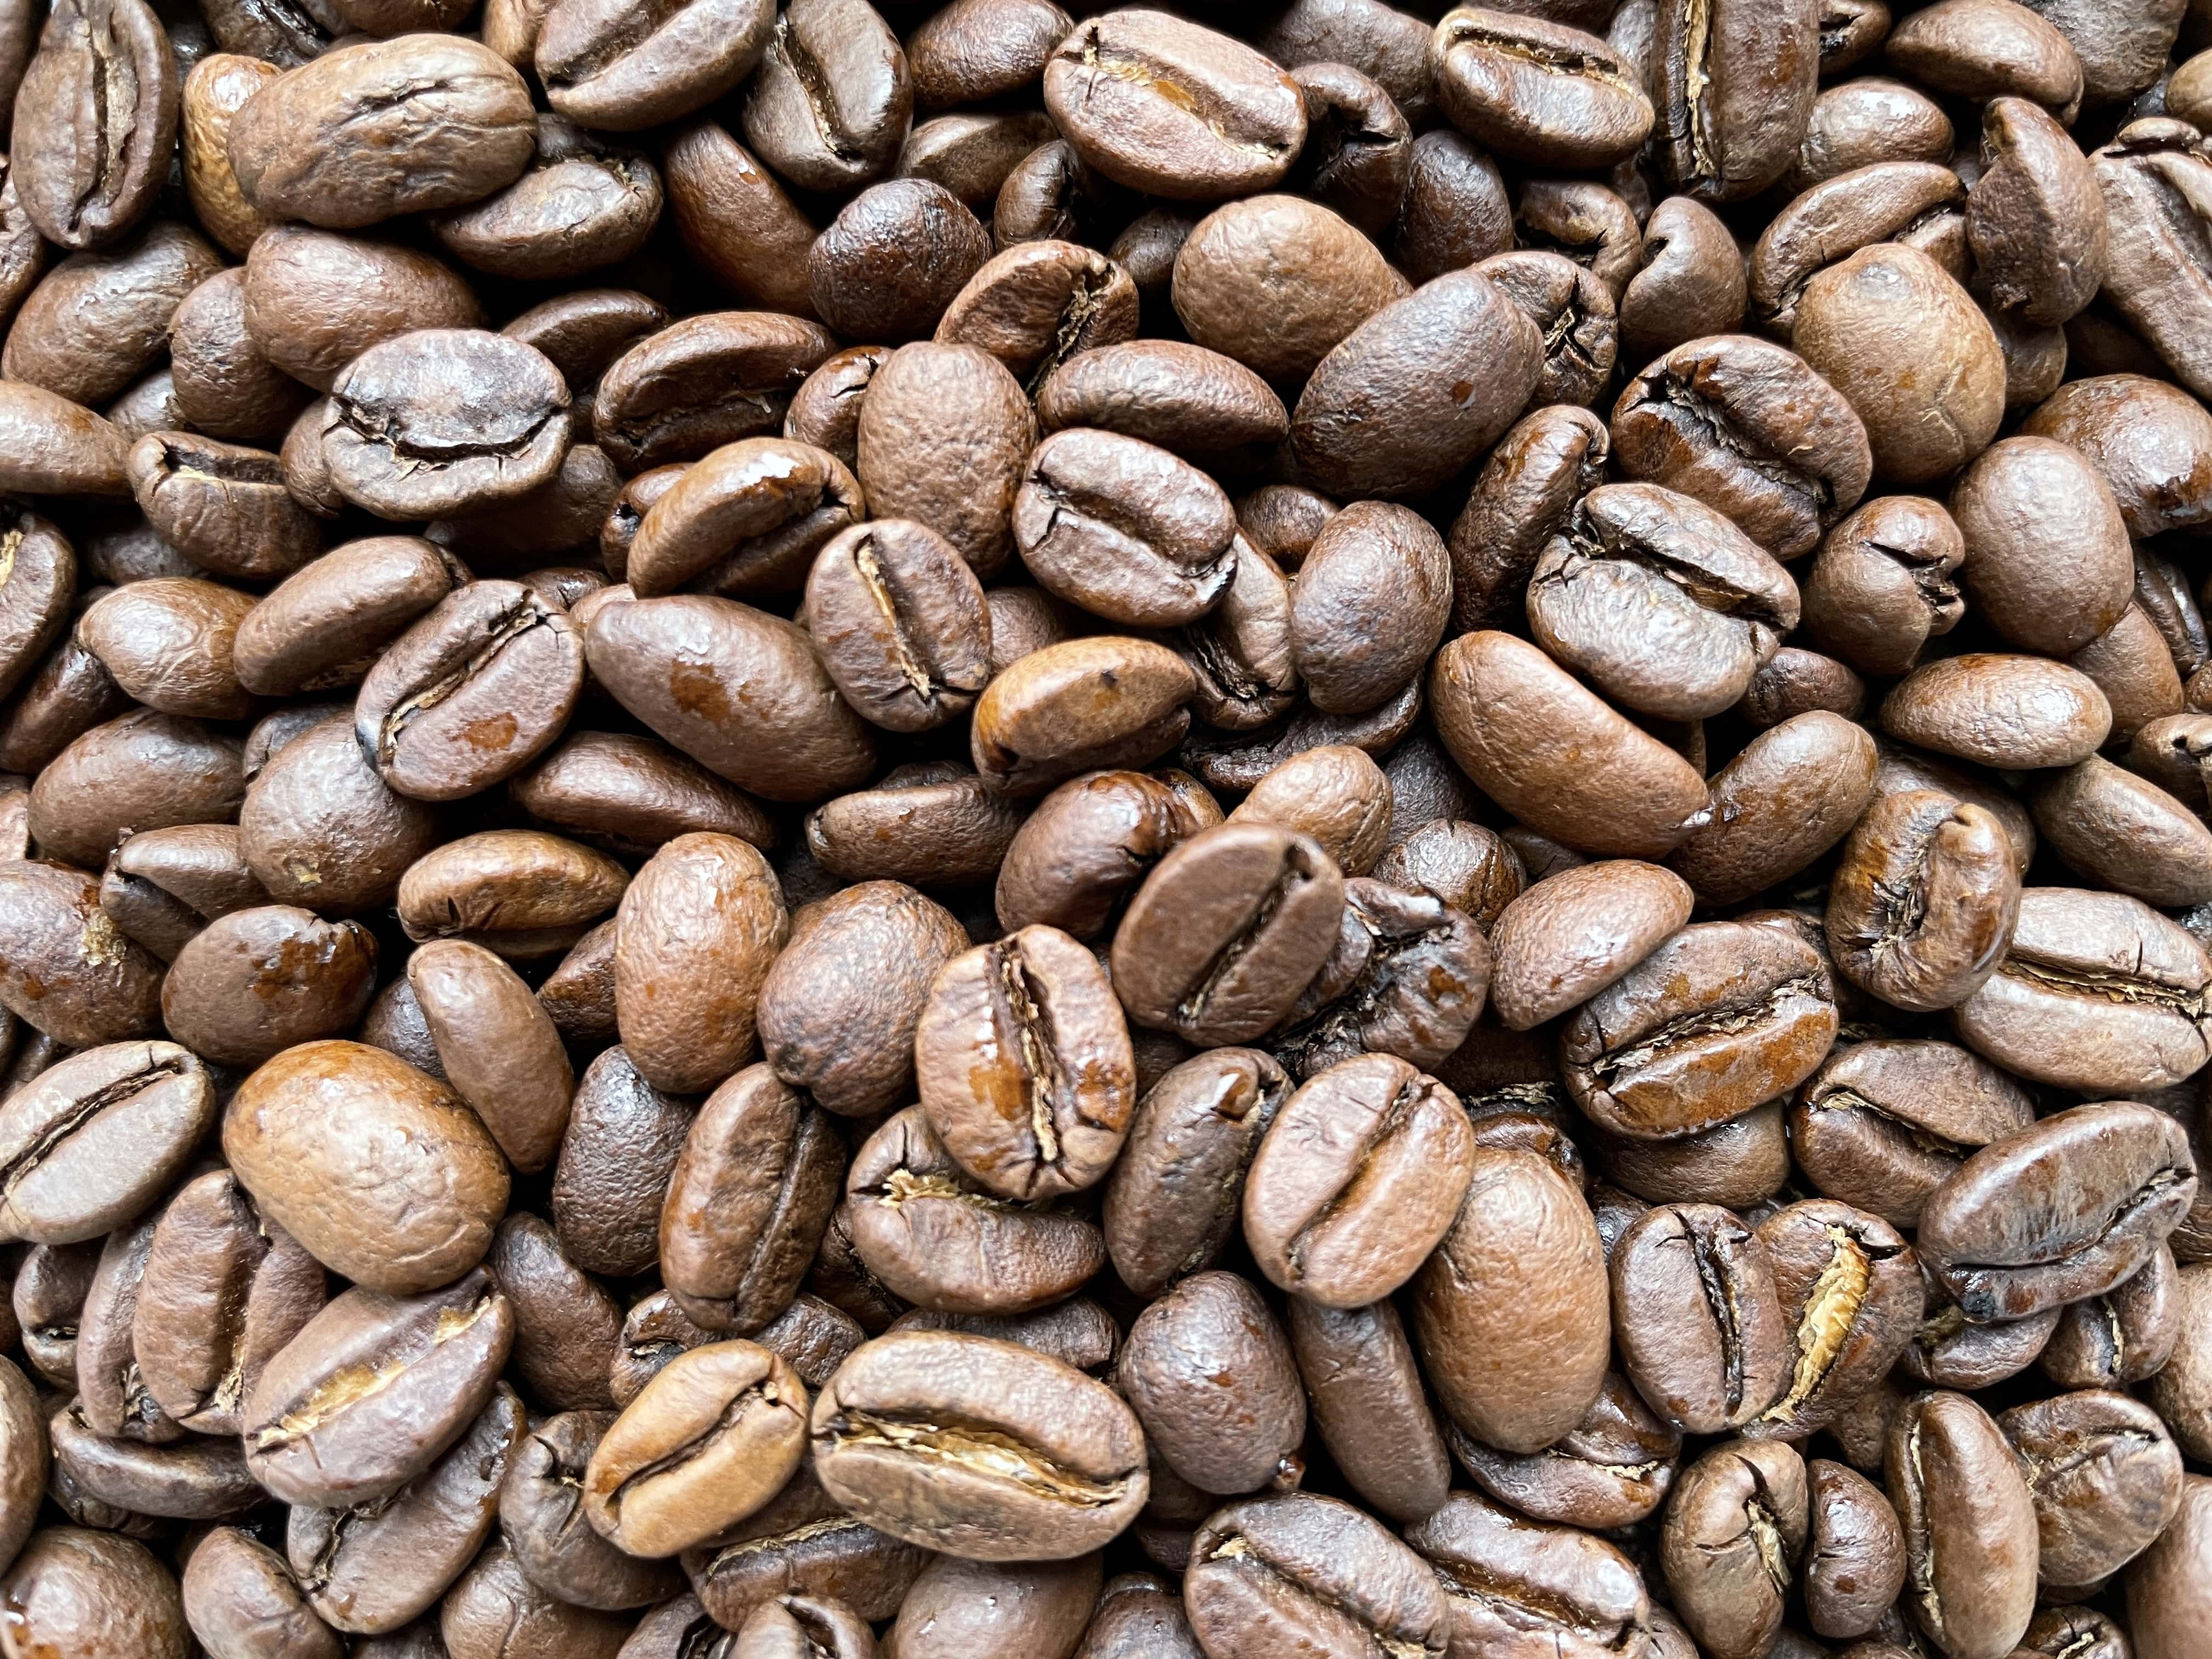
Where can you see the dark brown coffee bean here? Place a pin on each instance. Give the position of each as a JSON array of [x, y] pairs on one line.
[[608, 66], [347, 139], [1076, 707], [1717, 1020], [297, 1126], [1028, 1459], [717, 678], [940, 1239], [1970, 1526], [1735, 1532], [1849, 1288], [521, 894], [1171, 108], [1210, 1376], [372, 1566], [2104, 1475], [257, 982], [1507, 1581], [1226, 932], [1299, 1567], [372, 1388], [1702, 1332], [1549, 750], [1173, 1199], [1614, 1467], [1537, 91], [1521, 1226], [98, 110]]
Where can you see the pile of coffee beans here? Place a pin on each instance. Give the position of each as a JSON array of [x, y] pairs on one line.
[[1308, 829]]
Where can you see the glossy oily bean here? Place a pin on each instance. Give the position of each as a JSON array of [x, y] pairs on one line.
[[1970, 1526], [87, 1145], [223, 1290], [1715, 1021], [1660, 600], [1124, 529], [2004, 711], [1022, 1062], [332, 142], [1796, 457], [1702, 1331], [319, 630], [1854, 1553], [1367, 1402], [81, 1587], [2124, 831], [2093, 1193], [694, 940], [169, 642], [2105, 1477], [1208, 408], [1358, 1179], [1370, 602], [489, 413], [951, 826], [1849, 1288], [1537, 91], [953, 1440], [1210, 1376], [1614, 1467], [942, 1240], [1735, 1530], [1172, 1200], [744, 520], [1885, 582], [715, 677], [1038, 304], [1535, 741], [1521, 1225], [1789, 796], [2020, 503], [1226, 932], [747, 1202], [1086, 848], [372, 1388], [1882, 1124], [257, 982], [98, 110], [2124, 1335]]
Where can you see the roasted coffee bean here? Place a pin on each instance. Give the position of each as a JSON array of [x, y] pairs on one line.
[[1970, 1526], [1027, 1458], [747, 1202], [1794, 456], [2146, 977], [1538, 92], [942, 1240], [521, 894], [1022, 1062], [1717, 1020], [1613, 1468], [344, 141], [1520, 1223], [98, 109], [88, 1145], [1226, 932], [1546, 749], [2124, 1335], [2105, 1477], [1210, 1376], [2089, 1194], [223, 1290], [372, 1388], [299, 1124], [1736, 1530], [1923, 903], [1850, 1287], [1124, 529], [1302, 1567], [1702, 1331], [1506, 1581], [1882, 1124], [1357, 1181]]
